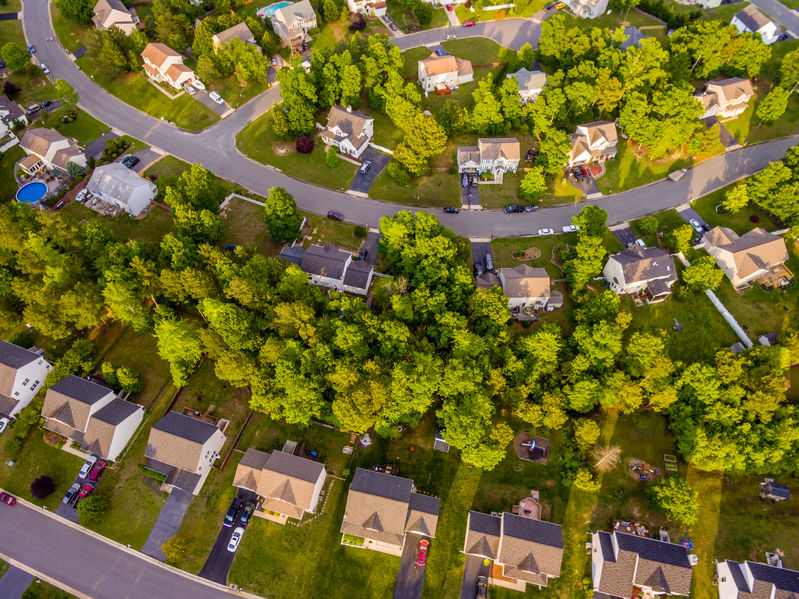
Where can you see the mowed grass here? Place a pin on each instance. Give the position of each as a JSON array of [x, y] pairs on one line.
[[324, 230], [11, 31], [71, 35], [257, 141], [151, 228], [85, 129], [627, 170], [244, 223], [667, 222], [740, 222], [502, 251]]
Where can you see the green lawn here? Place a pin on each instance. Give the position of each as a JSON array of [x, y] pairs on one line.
[[258, 142], [667, 221], [725, 12], [612, 21], [68, 33], [324, 230], [8, 185], [234, 94], [503, 249], [134, 89], [478, 50], [436, 190], [42, 590], [739, 222], [85, 129], [412, 57], [627, 170], [244, 223], [152, 228], [11, 31]]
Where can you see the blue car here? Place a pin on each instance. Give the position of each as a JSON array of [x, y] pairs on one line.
[[32, 49]]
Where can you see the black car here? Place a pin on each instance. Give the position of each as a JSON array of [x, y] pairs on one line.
[[482, 587], [45, 104], [335, 215], [131, 161], [513, 208], [706, 227], [362, 255], [246, 513], [452, 210], [230, 517]]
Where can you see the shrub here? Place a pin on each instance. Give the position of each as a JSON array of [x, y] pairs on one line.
[[93, 508], [754, 218], [75, 170], [42, 487], [360, 231], [10, 90], [305, 144], [648, 225], [586, 481], [358, 22], [675, 498], [331, 157], [129, 379], [398, 172], [14, 447]]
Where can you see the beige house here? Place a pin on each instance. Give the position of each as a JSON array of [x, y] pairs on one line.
[[526, 549], [289, 485], [637, 269], [240, 31], [725, 99], [349, 130], [92, 415], [52, 149], [112, 13], [22, 372], [382, 509], [443, 73], [530, 83], [183, 449], [491, 155], [162, 63], [528, 287], [293, 22], [745, 258], [593, 142]]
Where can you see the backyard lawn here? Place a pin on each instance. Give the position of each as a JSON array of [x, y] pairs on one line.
[[234, 94], [11, 31], [627, 170], [8, 185], [503, 249], [740, 222], [436, 190], [71, 35], [152, 228], [244, 223], [325, 230]]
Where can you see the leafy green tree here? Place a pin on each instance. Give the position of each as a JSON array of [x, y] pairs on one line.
[[65, 92], [553, 150], [586, 433], [178, 344], [676, 499], [424, 138], [129, 379], [330, 11], [773, 106], [77, 11], [789, 70], [94, 508], [703, 274], [331, 157], [281, 216], [74, 169], [533, 184], [680, 238], [423, 13], [585, 481], [247, 60], [648, 225], [16, 58], [109, 371], [736, 198], [280, 123], [78, 360]]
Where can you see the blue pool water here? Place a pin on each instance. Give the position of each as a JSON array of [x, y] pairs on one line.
[[268, 11], [32, 192]]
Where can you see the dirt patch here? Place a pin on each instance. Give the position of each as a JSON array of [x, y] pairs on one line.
[[532, 253], [282, 148], [640, 470]]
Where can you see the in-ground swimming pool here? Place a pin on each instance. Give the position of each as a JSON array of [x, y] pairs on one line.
[[31, 192], [268, 11]]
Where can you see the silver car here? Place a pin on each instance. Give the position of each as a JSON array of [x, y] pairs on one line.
[[235, 539]]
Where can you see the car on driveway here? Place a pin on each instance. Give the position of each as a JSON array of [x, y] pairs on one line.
[[131, 161], [365, 167], [46, 104], [235, 539], [451, 210], [440, 52], [82, 195], [362, 254], [571, 229], [70, 495], [482, 587], [489, 261], [97, 471], [545, 231], [216, 98], [695, 224], [560, 5], [586, 171], [3, 424], [87, 466], [421, 552], [191, 90], [470, 23], [7, 499], [513, 208], [84, 492], [233, 510], [478, 268], [392, 26], [449, 7], [198, 84], [335, 215], [246, 513]]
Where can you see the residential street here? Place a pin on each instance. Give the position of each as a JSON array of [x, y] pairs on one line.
[[410, 577], [67, 554], [510, 33], [781, 13]]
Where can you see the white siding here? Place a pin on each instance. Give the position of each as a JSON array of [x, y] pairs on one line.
[[318, 489], [28, 382], [123, 432]]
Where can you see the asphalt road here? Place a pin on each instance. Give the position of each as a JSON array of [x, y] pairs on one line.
[[475, 566], [410, 577], [14, 583], [510, 33], [214, 149], [82, 562], [780, 12]]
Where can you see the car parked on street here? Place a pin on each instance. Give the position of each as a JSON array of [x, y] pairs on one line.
[[45, 70], [571, 229], [451, 210], [421, 552], [87, 466], [335, 215], [545, 231], [216, 98], [513, 208], [71, 494], [84, 492], [32, 49], [470, 23], [246, 513], [232, 512], [235, 539], [532, 208], [7, 499], [97, 471]]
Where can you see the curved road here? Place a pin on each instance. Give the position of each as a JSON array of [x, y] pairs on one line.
[[215, 148]]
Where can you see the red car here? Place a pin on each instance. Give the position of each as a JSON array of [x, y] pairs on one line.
[[449, 7], [7, 499], [335, 215], [97, 470], [470, 23], [586, 171], [421, 553], [84, 492]]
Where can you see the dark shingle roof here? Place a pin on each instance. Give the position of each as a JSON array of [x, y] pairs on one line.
[[382, 485], [653, 550], [424, 503], [15, 356], [634, 37], [116, 412], [782, 578], [326, 261], [186, 427], [752, 18], [485, 523], [644, 264], [81, 390], [535, 531], [357, 274], [294, 466], [293, 254]]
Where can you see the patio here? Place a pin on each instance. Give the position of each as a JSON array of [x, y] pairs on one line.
[[776, 278]]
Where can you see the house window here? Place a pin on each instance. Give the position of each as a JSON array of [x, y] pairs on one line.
[[25, 382], [16, 393]]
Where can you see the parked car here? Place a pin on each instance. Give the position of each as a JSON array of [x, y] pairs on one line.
[[84, 492], [470, 23], [81, 195], [216, 98], [198, 84], [640, 243], [706, 227], [32, 108], [335, 215], [2, 64], [478, 268], [392, 26], [46, 103], [365, 167], [560, 5], [464, 180], [131, 161], [362, 254], [513, 208], [7, 499], [421, 552], [695, 224], [440, 52], [97, 470], [577, 173], [545, 231], [451, 210], [190, 89], [3, 424], [532, 208], [59, 205], [273, 60], [586, 171], [550, 5], [87, 466], [449, 7], [45, 70], [482, 587], [71, 493], [235, 539], [489, 261], [571, 229], [678, 174], [233, 510], [246, 513], [32, 49]]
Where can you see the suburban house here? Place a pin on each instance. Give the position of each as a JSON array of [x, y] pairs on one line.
[[634, 37], [370, 8], [488, 280], [531, 83], [348, 130], [751, 20], [706, 3], [444, 73], [523, 549], [382, 508], [491, 155], [593, 142], [725, 99], [288, 485], [162, 63], [587, 9], [183, 449], [52, 149], [22, 372], [330, 266], [10, 111], [116, 184], [92, 415], [637, 269], [622, 563], [292, 23], [750, 579], [240, 31], [747, 257], [112, 13], [358, 277], [528, 287], [774, 491]]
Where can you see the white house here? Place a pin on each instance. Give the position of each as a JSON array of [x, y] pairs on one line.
[[725, 99], [495, 155], [22, 372], [593, 142], [639, 269], [349, 130], [370, 8], [162, 63], [443, 73], [706, 3], [744, 580], [10, 111], [587, 9], [239, 31], [751, 20], [745, 258], [293, 22], [112, 13], [326, 265], [528, 287], [52, 149], [531, 83], [118, 185]]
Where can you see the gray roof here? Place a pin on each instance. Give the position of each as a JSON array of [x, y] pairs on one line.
[[180, 425], [535, 531], [13, 109], [485, 523], [634, 37], [326, 261], [488, 280], [293, 254], [81, 390], [382, 484], [294, 466], [357, 274], [15, 356], [117, 181], [752, 18], [529, 80], [529, 549], [644, 264], [424, 503], [116, 411], [781, 578], [778, 490]]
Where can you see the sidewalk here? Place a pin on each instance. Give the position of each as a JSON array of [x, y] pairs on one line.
[[453, 18]]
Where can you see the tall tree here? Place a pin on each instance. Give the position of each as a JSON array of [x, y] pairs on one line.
[[281, 216]]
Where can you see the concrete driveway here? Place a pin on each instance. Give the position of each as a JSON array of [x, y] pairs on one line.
[[217, 564], [410, 577], [168, 522], [362, 183], [14, 583], [475, 566], [146, 158]]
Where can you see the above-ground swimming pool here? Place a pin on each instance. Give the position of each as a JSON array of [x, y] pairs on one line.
[[268, 11], [31, 192]]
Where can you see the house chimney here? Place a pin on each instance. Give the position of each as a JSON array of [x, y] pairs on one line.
[[349, 108]]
